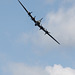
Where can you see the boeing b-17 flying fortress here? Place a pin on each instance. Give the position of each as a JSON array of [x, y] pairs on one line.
[[37, 23]]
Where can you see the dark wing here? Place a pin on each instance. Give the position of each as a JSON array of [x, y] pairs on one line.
[[29, 13], [53, 38], [48, 33], [23, 6]]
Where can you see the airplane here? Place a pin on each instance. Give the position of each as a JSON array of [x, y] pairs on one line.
[[38, 23]]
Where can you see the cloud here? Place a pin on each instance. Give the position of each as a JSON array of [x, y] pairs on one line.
[[62, 24], [22, 69], [59, 70]]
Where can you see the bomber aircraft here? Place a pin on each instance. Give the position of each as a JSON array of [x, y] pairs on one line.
[[37, 23]]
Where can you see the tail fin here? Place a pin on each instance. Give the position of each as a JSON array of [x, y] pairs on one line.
[[40, 19]]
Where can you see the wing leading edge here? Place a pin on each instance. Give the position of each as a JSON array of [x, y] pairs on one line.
[[37, 23], [29, 13]]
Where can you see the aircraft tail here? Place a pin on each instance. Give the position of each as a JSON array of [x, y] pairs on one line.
[[40, 19]]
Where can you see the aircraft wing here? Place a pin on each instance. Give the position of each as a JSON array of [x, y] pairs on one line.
[[53, 38], [48, 33], [29, 13]]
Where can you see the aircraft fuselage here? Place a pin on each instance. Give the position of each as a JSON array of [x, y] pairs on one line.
[[37, 23]]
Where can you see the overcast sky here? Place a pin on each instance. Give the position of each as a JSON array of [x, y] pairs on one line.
[[25, 50]]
